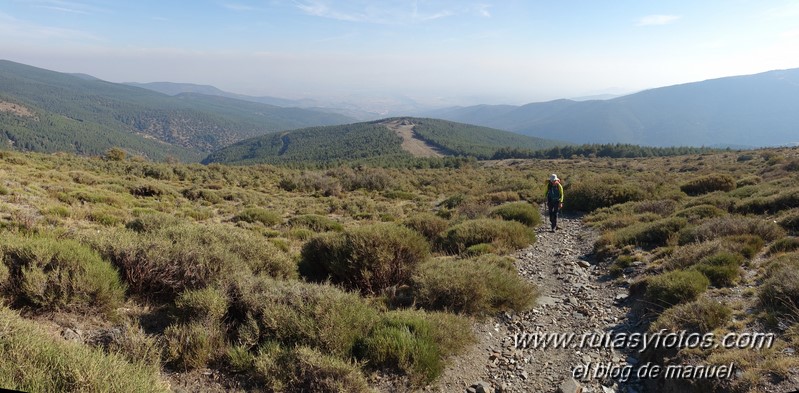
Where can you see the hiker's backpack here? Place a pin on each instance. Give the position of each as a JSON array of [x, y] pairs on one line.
[[553, 194]]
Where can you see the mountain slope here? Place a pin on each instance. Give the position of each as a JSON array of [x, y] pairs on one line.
[[68, 108], [370, 140], [752, 110]]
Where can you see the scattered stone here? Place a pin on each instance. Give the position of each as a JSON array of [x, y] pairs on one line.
[[72, 334], [570, 386], [482, 387]]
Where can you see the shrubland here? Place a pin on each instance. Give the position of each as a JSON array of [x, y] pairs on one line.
[[317, 278]]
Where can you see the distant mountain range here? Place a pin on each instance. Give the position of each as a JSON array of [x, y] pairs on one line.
[[42, 110], [753, 110], [367, 109], [380, 139]]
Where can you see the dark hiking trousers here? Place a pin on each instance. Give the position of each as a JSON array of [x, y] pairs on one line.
[[553, 207]]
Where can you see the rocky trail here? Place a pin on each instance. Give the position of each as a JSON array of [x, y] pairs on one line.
[[576, 297]]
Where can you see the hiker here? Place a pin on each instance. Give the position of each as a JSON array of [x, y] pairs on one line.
[[554, 197]]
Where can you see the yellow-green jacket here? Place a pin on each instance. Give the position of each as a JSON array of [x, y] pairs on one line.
[[560, 190]]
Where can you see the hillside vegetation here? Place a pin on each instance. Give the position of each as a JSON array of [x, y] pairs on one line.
[[371, 142], [63, 112], [284, 279]]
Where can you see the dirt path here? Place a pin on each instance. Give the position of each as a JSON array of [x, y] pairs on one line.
[[411, 144], [576, 297]]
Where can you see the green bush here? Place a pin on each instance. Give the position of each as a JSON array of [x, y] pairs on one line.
[[415, 342], [600, 191], [723, 269], [369, 258], [785, 199], [257, 214], [709, 183], [429, 225], [674, 287], [303, 369], [191, 345], [152, 222], [744, 246], [719, 199], [786, 244], [453, 201], [315, 223], [209, 196], [730, 226], [471, 286], [202, 305], [168, 261], [646, 234], [791, 223], [52, 274], [522, 212], [35, 361], [698, 213], [292, 313], [504, 235], [780, 290], [700, 316]]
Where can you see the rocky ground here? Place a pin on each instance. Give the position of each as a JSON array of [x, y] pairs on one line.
[[577, 297]]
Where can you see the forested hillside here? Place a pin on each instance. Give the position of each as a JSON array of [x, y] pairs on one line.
[[64, 112], [373, 141]]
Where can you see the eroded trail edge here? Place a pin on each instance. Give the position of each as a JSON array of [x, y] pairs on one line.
[[576, 297]]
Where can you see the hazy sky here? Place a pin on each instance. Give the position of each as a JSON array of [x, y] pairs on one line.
[[445, 51]]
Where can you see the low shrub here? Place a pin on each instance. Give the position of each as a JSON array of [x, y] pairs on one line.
[[471, 286], [429, 225], [415, 342], [698, 213], [504, 235], [674, 287], [522, 212], [453, 201], [709, 183], [719, 199], [729, 226], [202, 305], [700, 316], [146, 190], [647, 234], [198, 194], [304, 369], [257, 214], [791, 223], [52, 274], [786, 244], [785, 199], [600, 191], [293, 313], [369, 258], [191, 345], [151, 222], [315, 223], [34, 361], [311, 182], [744, 246], [170, 260], [479, 249], [723, 269], [780, 290]]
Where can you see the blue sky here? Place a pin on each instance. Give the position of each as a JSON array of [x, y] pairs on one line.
[[438, 52]]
